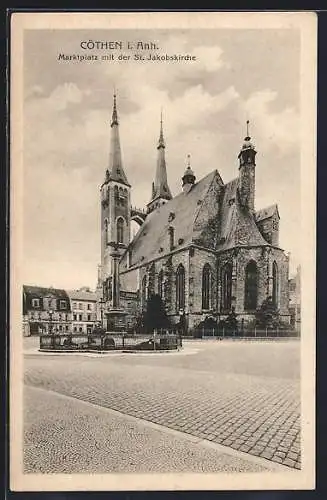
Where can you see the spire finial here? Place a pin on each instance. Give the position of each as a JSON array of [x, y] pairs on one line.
[[114, 120], [188, 161], [247, 138], [161, 143]]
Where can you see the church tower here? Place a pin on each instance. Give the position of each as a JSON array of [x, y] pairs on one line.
[[115, 215], [160, 189], [247, 173]]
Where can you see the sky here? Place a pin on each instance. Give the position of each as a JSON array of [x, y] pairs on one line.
[[238, 75]]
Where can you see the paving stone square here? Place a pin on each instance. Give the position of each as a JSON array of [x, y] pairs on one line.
[[242, 395]]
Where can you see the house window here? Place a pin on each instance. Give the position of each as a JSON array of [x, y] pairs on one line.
[[226, 281], [62, 304], [36, 303], [206, 287], [74, 317], [275, 285], [80, 329], [251, 286], [80, 317], [89, 317], [66, 328], [160, 283], [74, 305], [75, 329], [80, 306], [180, 287], [120, 230], [89, 307]]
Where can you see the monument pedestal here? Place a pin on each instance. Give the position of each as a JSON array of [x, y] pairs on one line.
[[116, 320]]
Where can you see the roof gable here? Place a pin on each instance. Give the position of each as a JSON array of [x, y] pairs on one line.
[[266, 213], [152, 239], [237, 225]]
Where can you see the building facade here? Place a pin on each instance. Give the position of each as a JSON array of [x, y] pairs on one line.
[[84, 308], [206, 251], [45, 311]]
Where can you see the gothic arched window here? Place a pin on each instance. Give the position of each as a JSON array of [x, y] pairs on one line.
[[120, 230], [106, 239], [275, 285], [160, 283], [206, 287], [143, 292], [151, 280], [226, 281], [180, 287], [251, 286]]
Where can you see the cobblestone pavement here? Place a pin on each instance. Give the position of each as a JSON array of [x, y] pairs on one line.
[[240, 394], [54, 426]]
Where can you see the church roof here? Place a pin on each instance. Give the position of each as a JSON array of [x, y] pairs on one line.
[[267, 212], [237, 225], [152, 239], [198, 218]]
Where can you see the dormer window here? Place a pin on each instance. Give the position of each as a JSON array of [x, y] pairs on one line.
[[63, 305], [36, 303], [171, 232]]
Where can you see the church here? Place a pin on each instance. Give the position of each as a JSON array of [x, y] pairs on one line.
[[205, 251]]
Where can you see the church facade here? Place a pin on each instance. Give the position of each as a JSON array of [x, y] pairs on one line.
[[206, 251]]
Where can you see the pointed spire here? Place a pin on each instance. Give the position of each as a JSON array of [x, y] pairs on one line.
[[161, 142], [114, 120], [116, 170], [160, 188]]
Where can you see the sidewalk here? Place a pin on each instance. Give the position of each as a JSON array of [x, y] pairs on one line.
[[64, 434]]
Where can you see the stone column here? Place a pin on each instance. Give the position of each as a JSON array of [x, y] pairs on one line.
[[115, 279]]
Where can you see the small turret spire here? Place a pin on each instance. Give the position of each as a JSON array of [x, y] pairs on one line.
[[160, 189], [188, 178]]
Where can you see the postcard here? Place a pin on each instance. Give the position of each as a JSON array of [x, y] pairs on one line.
[[162, 243]]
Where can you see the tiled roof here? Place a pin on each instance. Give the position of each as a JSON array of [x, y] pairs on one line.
[[152, 239], [39, 291], [267, 212], [223, 225], [82, 295], [237, 225]]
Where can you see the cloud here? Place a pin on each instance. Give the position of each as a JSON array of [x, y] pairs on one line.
[[279, 129], [67, 137]]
